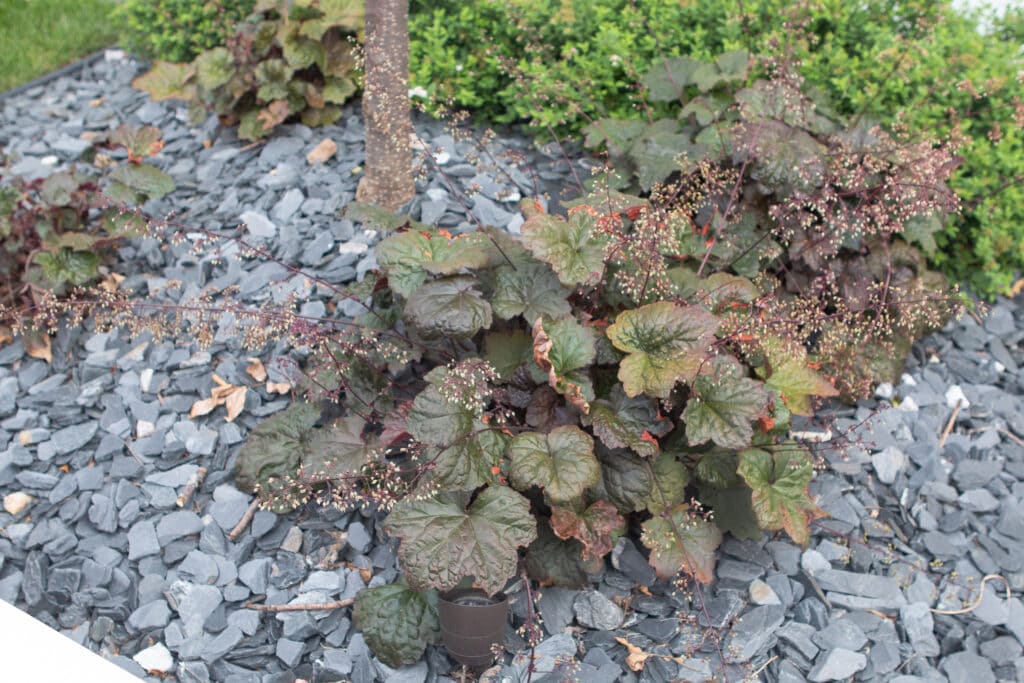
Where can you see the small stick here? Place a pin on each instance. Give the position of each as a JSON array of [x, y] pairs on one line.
[[981, 596], [761, 668], [194, 482], [246, 518], [312, 607], [949, 425]]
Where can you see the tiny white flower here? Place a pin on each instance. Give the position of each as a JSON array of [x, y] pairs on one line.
[[418, 91], [615, 60], [458, 67]]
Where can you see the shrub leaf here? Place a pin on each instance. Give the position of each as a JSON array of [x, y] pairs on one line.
[[778, 482], [597, 528], [574, 248], [682, 541], [449, 307]]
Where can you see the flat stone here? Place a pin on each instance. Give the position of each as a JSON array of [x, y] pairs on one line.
[[556, 608], [837, 665], [762, 594], [888, 464], [199, 567], [594, 610], [142, 540], [967, 666], [259, 225], [863, 585], [155, 614], [916, 620], [752, 633], [289, 651], [842, 634], [359, 539], [225, 642], [72, 438], [178, 524]]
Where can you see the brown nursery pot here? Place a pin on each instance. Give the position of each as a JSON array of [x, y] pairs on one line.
[[471, 624]]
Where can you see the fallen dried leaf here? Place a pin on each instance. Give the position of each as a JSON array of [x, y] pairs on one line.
[[256, 369], [637, 658], [6, 336], [37, 345], [24, 437], [235, 403], [1017, 287], [203, 407], [278, 387], [220, 381], [322, 152], [111, 281], [222, 392], [15, 502]]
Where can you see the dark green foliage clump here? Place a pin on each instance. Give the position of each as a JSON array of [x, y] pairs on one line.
[[178, 30]]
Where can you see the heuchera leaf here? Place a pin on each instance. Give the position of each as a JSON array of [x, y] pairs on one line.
[[275, 447], [531, 290], [661, 151], [574, 248], [717, 469], [668, 488], [167, 80], [140, 141], [597, 528], [469, 461], [625, 481], [409, 257], [144, 179], [732, 510], [778, 482], [68, 266], [397, 622], [435, 421], [616, 135], [666, 342], [508, 351], [682, 541], [214, 68], [561, 462], [443, 541], [561, 347], [723, 409], [552, 561], [624, 422], [449, 307], [335, 449], [792, 378]]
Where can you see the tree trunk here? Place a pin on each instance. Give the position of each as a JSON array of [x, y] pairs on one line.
[[388, 181]]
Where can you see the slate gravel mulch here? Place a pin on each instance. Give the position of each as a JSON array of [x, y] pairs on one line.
[[102, 442]]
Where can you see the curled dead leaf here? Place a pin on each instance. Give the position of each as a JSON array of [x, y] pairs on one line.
[[235, 403], [203, 407], [322, 152], [37, 345], [278, 387], [6, 336], [256, 369], [542, 346]]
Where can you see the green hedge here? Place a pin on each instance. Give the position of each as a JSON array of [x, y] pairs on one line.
[[560, 63], [178, 30]]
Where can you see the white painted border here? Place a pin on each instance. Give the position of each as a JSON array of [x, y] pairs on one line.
[[32, 652]]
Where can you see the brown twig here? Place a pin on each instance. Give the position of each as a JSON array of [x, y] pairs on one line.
[[194, 482], [949, 425], [246, 518], [311, 607]]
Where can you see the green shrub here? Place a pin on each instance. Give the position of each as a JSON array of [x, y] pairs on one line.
[[178, 30], [915, 63], [286, 60]]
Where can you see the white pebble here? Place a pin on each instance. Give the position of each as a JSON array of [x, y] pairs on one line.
[[908, 405], [884, 390], [908, 380], [155, 658], [956, 395]]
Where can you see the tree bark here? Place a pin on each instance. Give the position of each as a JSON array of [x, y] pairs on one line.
[[388, 181]]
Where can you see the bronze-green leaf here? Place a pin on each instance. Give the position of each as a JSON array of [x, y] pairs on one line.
[[561, 462], [597, 527], [666, 342], [397, 622], [680, 540], [450, 306], [778, 482], [444, 541], [722, 410], [574, 248]]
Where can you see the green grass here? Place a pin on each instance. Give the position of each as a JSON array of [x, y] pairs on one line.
[[38, 36]]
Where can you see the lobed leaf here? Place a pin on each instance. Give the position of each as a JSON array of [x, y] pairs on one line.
[[144, 179], [681, 541], [597, 527], [629, 422], [552, 561], [668, 485], [68, 266], [574, 248], [449, 307], [529, 289], [214, 68], [275, 447], [625, 481], [335, 449], [563, 349], [778, 482], [167, 80], [561, 462], [409, 257], [443, 541], [397, 622], [723, 409], [666, 342]]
